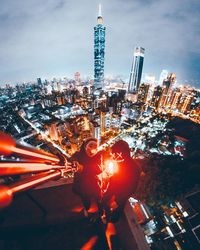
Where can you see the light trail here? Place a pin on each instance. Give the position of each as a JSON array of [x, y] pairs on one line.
[[15, 168]]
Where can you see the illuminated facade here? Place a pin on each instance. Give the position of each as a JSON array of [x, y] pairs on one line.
[[102, 120], [170, 81], [53, 132], [175, 99], [157, 94], [143, 93], [167, 92], [99, 52], [136, 70], [187, 104]]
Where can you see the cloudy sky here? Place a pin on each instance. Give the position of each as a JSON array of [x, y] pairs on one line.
[[54, 38]]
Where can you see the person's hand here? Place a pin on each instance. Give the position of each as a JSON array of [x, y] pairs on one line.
[[113, 203], [79, 167], [68, 164]]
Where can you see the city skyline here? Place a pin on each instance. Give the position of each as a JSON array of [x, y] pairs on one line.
[[56, 39]]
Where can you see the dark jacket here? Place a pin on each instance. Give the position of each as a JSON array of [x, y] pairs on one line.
[[86, 182]]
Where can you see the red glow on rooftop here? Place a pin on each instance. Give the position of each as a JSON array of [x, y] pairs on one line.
[[90, 243]]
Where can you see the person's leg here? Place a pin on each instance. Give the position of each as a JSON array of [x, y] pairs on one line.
[[106, 205], [86, 204], [117, 213]]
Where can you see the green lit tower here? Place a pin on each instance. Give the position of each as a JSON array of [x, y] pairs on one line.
[[99, 52]]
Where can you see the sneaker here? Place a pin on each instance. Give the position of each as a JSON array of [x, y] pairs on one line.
[[85, 212], [104, 219]]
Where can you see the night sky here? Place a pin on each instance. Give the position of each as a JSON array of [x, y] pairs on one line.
[[54, 38]]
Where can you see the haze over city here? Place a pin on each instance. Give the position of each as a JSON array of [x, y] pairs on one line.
[[55, 38]]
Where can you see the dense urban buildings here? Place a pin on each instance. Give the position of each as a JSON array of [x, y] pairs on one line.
[[99, 52], [160, 121]]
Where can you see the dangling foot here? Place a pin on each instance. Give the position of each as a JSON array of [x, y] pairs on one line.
[[85, 212], [104, 219]]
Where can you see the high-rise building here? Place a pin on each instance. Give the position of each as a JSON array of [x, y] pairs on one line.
[[157, 94], [187, 104], [136, 70], [176, 95], [163, 75], [143, 93], [39, 81], [99, 52], [167, 91], [170, 81]]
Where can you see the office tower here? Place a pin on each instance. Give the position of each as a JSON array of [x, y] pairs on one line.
[[136, 70], [170, 81], [185, 108], [167, 92], [99, 52], [157, 94], [176, 95], [143, 93], [163, 75]]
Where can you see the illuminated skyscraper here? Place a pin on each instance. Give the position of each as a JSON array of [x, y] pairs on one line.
[[157, 94], [136, 70], [175, 97], [167, 91], [99, 52], [187, 103]]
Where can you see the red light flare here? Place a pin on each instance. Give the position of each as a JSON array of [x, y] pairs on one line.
[[8, 146], [6, 193], [110, 230], [77, 209], [93, 208], [111, 167], [35, 180], [15, 168], [90, 243], [32, 154]]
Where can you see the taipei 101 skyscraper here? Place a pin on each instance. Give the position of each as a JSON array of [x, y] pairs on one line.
[[99, 52]]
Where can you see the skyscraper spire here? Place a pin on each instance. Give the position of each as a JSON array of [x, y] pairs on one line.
[[100, 14], [100, 18]]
